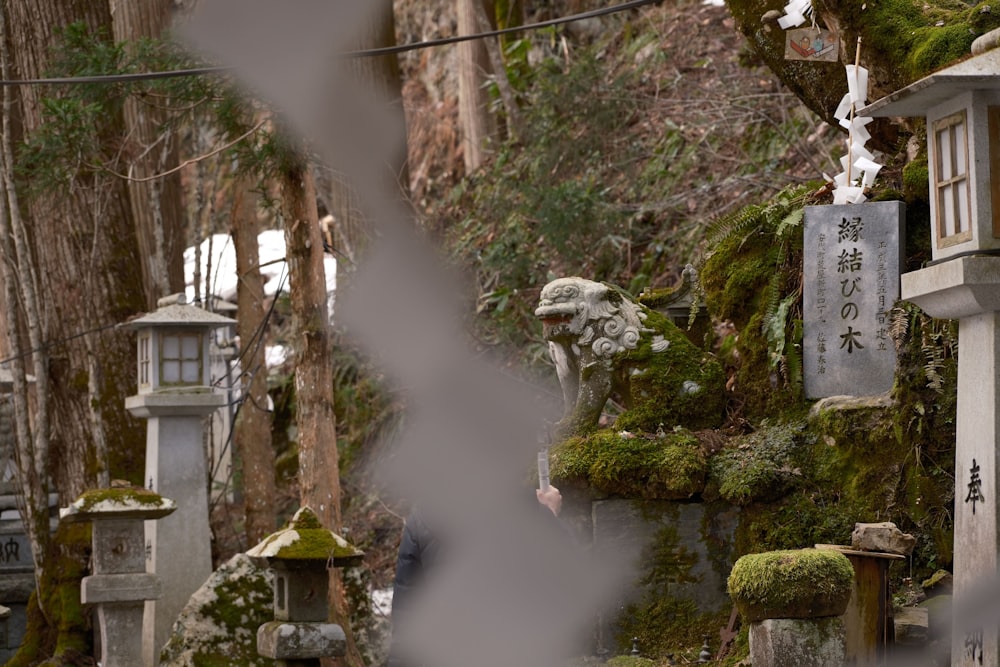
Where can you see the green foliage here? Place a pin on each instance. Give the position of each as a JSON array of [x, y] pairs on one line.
[[585, 192], [937, 341], [635, 466], [366, 410], [751, 276], [78, 145], [761, 466]]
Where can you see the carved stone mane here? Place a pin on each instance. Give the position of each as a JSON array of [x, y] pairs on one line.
[[600, 340]]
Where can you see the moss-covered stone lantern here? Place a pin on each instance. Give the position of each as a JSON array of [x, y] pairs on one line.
[[300, 556], [120, 585]]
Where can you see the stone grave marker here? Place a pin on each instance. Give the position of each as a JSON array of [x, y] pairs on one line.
[[850, 283]]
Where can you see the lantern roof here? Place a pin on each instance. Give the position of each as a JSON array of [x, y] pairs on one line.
[[305, 540], [174, 311], [118, 502], [981, 72]]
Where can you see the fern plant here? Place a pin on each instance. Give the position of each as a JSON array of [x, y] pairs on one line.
[[938, 340], [751, 276]]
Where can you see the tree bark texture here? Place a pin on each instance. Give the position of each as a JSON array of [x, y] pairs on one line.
[[252, 435], [87, 253], [83, 242], [319, 471], [319, 478], [152, 148], [478, 125]]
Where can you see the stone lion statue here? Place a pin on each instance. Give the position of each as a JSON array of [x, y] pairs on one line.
[[604, 345]]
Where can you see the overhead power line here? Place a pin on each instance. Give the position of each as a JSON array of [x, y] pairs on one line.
[[365, 53], [388, 50]]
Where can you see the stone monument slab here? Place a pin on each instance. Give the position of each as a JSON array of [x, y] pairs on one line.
[[682, 550], [850, 282]]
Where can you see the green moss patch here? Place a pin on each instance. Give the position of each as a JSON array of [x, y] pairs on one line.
[[305, 539], [219, 625], [680, 385], [671, 467], [761, 466], [801, 583]]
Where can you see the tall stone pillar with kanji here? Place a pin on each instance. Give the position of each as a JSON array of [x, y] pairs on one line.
[[961, 105]]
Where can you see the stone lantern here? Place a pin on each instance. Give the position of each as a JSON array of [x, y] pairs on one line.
[[173, 345], [300, 556], [120, 584], [962, 107], [174, 397]]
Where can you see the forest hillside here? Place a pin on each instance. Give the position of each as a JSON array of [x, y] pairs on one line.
[[677, 135]]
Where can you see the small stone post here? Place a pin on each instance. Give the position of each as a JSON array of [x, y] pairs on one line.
[[120, 584], [794, 602], [300, 556]]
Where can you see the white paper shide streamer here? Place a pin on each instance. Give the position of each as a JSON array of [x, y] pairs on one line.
[[859, 166], [796, 12]]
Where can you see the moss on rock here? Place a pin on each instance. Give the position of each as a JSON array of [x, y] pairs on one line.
[[671, 467], [761, 466], [219, 624], [803, 583], [680, 385], [305, 539]]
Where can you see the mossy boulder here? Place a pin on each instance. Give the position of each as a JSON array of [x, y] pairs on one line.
[[218, 626], [803, 583], [761, 466]]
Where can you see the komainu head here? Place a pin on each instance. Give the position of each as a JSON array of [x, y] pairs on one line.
[[606, 345]]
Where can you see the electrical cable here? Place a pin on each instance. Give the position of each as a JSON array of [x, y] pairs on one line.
[[364, 53]]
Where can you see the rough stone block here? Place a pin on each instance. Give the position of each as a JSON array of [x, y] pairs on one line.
[[299, 641], [884, 537], [911, 625], [785, 642], [101, 588]]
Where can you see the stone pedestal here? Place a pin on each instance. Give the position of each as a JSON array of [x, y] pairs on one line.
[[798, 642], [120, 585], [178, 548], [968, 289]]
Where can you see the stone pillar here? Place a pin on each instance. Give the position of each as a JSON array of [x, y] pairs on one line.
[[968, 289], [300, 556], [120, 585], [179, 548], [799, 642]]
